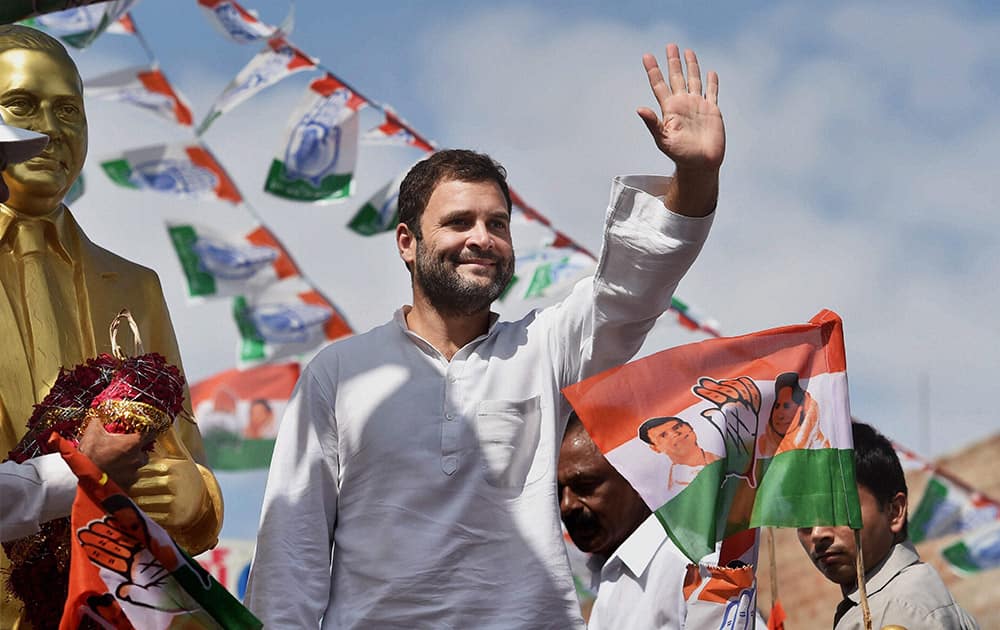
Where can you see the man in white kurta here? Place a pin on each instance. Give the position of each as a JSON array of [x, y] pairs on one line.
[[413, 478]]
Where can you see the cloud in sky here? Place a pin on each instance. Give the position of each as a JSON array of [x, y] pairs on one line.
[[860, 172]]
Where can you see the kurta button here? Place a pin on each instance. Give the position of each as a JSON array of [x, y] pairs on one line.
[[450, 416], [449, 464]]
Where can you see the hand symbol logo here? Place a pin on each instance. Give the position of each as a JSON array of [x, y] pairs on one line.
[[737, 405]]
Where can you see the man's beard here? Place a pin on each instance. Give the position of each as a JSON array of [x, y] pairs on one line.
[[450, 293]]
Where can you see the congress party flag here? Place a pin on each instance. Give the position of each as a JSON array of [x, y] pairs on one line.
[[321, 150], [184, 170], [238, 412], [381, 212], [80, 26], [394, 130], [730, 434], [975, 552], [125, 570], [235, 22], [223, 265], [147, 88], [286, 319], [279, 60], [948, 508]]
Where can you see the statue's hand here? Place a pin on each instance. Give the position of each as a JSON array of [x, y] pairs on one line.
[[170, 488]]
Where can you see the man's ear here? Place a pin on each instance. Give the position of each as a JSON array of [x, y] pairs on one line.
[[406, 243], [897, 512]]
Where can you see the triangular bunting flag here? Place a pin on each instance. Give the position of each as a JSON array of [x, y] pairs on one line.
[[395, 131], [184, 170], [286, 319], [217, 265], [321, 149], [279, 60], [235, 22], [147, 88]]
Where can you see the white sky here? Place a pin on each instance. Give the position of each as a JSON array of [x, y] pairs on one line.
[[860, 174]]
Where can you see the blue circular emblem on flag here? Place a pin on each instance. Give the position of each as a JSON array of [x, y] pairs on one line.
[[314, 144], [288, 323], [179, 177], [232, 262]]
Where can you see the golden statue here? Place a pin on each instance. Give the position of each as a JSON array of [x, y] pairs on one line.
[[59, 290]]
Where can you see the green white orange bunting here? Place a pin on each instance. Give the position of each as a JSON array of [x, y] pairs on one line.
[[279, 60], [183, 170], [284, 320], [321, 149], [222, 265], [147, 88]]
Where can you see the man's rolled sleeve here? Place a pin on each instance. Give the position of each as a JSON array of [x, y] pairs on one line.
[[647, 250]]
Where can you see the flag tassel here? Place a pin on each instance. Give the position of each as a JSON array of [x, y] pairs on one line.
[[862, 593]]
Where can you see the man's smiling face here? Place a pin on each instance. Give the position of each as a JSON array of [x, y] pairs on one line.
[[464, 257]]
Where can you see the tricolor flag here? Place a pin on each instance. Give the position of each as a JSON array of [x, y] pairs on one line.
[[217, 265], [381, 212], [147, 88], [278, 60], [733, 433], [185, 170], [238, 412], [79, 27], [321, 150], [394, 130], [235, 22], [286, 319], [125, 570], [975, 552], [949, 508]]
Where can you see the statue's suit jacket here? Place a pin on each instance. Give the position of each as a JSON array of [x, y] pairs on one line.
[[109, 283]]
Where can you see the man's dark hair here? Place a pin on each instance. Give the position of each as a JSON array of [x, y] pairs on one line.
[[877, 466], [451, 165], [790, 379], [652, 423]]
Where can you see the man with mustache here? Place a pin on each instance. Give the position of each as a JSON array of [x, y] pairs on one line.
[[413, 477], [637, 571], [902, 590]]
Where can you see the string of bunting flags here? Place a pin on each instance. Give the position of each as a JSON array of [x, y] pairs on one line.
[[949, 506]]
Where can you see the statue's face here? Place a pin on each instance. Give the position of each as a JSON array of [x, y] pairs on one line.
[[42, 92]]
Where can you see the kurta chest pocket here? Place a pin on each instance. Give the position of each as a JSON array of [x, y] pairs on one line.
[[508, 433]]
